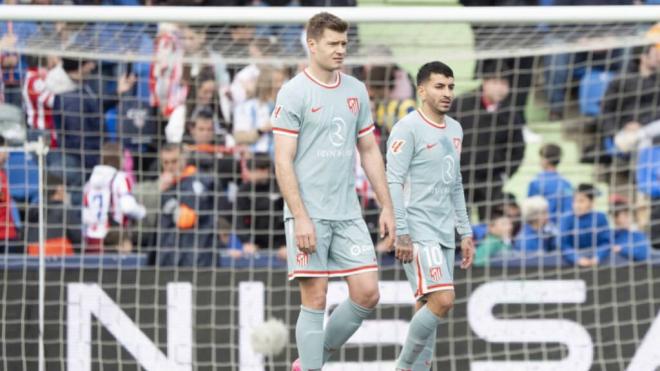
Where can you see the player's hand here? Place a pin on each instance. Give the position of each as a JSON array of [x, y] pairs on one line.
[[403, 248], [387, 227], [467, 252], [305, 234]]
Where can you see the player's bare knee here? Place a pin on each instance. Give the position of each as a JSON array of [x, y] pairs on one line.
[[313, 292], [441, 302], [370, 298]]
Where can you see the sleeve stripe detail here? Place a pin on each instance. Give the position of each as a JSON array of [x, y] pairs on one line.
[[366, 130], [285, 132]]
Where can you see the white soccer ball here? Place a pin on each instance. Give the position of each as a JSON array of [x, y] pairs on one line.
[[270, 337]]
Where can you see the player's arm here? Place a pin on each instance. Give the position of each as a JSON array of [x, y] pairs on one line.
[[287, 121], [372, 163], [400, 151], [462, 220]]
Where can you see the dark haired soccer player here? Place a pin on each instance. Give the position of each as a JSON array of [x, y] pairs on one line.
[[423, 161]]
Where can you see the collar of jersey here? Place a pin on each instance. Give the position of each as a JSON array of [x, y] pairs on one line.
[[327, 86], [429, 121]]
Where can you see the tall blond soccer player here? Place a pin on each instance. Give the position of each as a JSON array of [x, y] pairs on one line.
[[320, 117]]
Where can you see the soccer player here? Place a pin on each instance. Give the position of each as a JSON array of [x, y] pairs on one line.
[[423, 160], [321, 115]]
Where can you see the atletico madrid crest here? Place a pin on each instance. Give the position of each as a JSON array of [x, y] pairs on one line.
[[353, 105], [458, 145], [302, 259], [436, 274]]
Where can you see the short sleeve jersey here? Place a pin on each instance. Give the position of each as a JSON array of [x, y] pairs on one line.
[[327, 121], [424, 157]]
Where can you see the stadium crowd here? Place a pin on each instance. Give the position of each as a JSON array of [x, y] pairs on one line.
[[172, 156]]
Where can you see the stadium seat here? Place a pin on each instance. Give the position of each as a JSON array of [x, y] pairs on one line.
[[592, 88], [23, 176]]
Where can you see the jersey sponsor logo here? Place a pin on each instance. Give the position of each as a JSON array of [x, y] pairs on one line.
[[397, 146], [458, 145], [277, 112], [435, 273], [302, 259], [353, 105], [336, 133], [431, 145], [316, 109], [357, 250]]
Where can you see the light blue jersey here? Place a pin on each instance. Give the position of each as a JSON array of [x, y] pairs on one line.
[[424, 177], [327, 120]]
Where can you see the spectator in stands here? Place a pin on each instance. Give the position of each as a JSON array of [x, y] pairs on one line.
[[628, 241], [172, 163], [511, 209], [207, 153], [78, 118], [387, 96], [109, 205], [585, 238], [252, 118], [493, 145], [648, 184], [244, 85], [205, 95], [38, 100], [562, 68], [498, 239], [259, 221], [186, 228], [537, 234], [63, 224], [241, 35], [631, 99], [551, 185], [8, 230]]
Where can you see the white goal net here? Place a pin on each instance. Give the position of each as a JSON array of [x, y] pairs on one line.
[[560, 108]]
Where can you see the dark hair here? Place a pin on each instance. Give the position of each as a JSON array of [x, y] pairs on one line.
[[203, 113], [53, 182], [111, 155], [493, 69], [495, 213], [619, 207], [381, 76], [169, 147], [430, 68], [322, 21], [588, 190], [71, 64], [551, 153], [34, 60], [2, 140]]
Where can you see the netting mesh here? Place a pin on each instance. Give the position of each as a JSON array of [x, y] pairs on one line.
[[183, 111]]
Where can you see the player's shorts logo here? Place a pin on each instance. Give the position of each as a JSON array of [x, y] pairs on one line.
[[353, 105], [336, 133], [397, 146], [458, 145], [302, 259], [436, 274]]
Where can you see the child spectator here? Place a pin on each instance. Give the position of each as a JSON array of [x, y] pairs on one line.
[[628, 241], [108, 204], [498, 239], [585, 234], [551, 185], [537, 234], [63, 224]]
